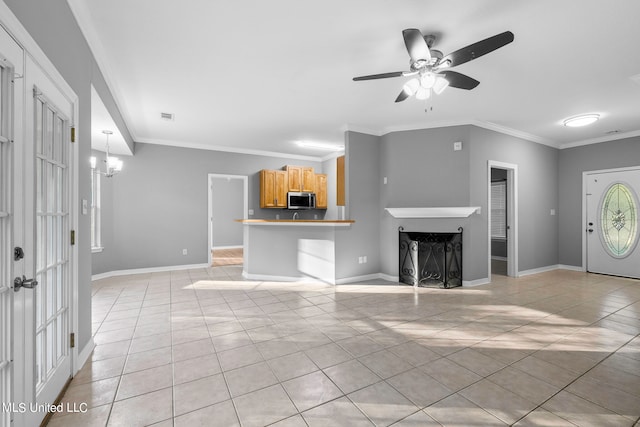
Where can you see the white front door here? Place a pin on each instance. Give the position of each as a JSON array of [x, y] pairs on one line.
[[612, 222]]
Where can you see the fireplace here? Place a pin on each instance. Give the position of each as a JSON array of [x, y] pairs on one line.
[[431, 259]]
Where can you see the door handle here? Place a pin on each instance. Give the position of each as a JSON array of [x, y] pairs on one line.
[[24, 283]]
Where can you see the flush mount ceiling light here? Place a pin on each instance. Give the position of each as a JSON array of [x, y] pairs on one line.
[[581, 120], [113, 164], [320, 145]]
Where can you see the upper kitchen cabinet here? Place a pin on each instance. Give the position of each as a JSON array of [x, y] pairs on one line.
[[301, 178], [321, 191], [273, 188], [340, 184]]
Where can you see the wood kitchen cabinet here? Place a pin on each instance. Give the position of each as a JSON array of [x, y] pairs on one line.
[[300, 178], [273, 188], [321, 191], [340, 187]]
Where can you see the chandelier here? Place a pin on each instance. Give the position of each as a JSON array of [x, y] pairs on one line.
[[113, 165]]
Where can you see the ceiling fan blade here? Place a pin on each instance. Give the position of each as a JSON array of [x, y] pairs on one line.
[[379, 76], [476, 50], [416, 45], [459, 80], [403, 95]]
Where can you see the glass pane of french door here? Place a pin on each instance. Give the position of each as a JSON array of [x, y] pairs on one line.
[[6, 297], [52, 231]]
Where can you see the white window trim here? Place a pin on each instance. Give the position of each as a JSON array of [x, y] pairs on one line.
[[95, 212]]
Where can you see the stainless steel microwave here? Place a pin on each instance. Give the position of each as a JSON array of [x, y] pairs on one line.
[[301, 200]]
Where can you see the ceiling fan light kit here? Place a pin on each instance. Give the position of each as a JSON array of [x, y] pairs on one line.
[[431, 68]]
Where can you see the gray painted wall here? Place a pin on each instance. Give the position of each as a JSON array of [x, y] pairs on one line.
[[423, 170], [538, 194], [362, 164], [161, 203], [53, 27], [572, 163], [227, 205]]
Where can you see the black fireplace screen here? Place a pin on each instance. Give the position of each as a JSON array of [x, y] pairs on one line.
[[431, 259]]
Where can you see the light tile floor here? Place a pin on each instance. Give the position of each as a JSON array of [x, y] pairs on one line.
[[205, 348]]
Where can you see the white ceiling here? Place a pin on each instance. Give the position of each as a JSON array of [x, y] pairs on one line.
[[101, 120], [257, 75]]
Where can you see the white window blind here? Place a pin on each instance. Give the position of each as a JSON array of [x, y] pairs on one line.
[[499, 210]]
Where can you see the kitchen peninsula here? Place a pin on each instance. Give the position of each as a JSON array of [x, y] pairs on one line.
[[291, 250]]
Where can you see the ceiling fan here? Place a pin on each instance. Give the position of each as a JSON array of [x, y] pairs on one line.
[[432, 70]]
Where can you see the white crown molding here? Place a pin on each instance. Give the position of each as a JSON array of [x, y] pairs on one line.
[[333, 155], [607, 138], [360, 129], [229, 149], [514, 132], [83, 19], [435, 125]]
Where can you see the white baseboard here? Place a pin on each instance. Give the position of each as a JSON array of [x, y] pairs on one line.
[[270, 278], [354, 279], [390, 278], [571, 267], [477, 282], [227, 247], [538, 270], [499, 258], [147, 270], [300, 279], [84, 354]]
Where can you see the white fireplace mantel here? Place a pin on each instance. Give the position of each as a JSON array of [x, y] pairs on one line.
[[439, 212]]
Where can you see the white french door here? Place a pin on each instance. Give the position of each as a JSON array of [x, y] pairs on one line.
[[37, 274], [11, 65], [612, 222], [47, 215]]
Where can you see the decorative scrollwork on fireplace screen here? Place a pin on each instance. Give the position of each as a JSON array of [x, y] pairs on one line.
[[430, 259]]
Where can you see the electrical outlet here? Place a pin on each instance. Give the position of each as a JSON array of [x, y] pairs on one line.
[[277, 216], [364, 259], [384, 180], [457, 146], [359, 260], [250, 211], [553, 211], [184, 252], [315, 216]]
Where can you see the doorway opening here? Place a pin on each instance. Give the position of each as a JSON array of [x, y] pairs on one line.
[[228, 201], [502, 219]]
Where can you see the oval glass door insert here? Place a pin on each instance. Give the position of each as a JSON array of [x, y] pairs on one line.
[[619, 220]]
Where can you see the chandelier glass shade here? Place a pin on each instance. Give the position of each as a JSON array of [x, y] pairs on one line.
[[113, 165]]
